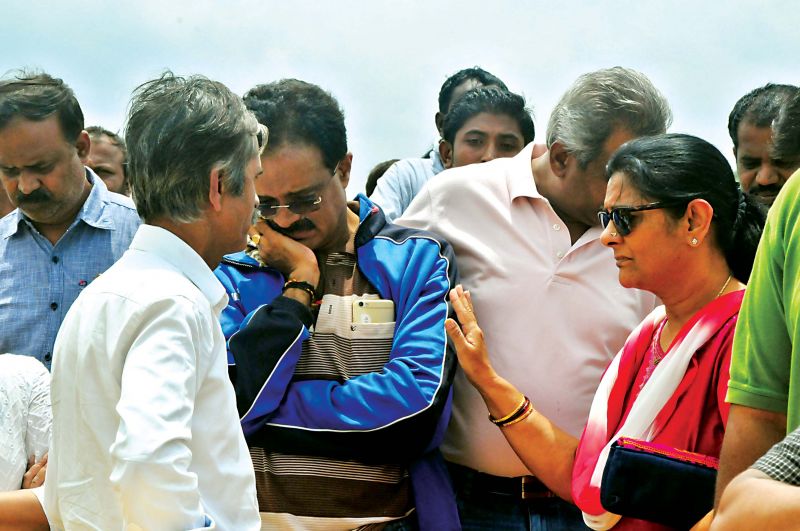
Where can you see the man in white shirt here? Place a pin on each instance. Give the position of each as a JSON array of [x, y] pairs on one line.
[[146, 433], [526, 237]]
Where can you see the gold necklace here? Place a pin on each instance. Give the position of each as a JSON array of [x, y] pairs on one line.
[[724, 286]]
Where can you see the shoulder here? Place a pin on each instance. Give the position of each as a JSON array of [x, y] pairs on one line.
[[119, 206], [409, 247], [145, 280], [409, 171], [240, 267], [22, 367]]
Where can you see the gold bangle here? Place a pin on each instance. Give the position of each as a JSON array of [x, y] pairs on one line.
[[525, 414], [517, 411]]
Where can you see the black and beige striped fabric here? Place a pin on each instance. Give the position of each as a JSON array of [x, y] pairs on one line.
[[312, 492]]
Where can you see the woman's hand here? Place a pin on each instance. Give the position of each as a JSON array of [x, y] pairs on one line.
[[468, 340], [34, 477]]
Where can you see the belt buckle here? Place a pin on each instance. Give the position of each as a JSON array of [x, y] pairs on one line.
[[534, 495]]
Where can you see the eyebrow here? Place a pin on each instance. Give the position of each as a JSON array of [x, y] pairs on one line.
[[38, 164], [510, 136]]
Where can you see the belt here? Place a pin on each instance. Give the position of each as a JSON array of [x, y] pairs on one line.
[[520, 487]]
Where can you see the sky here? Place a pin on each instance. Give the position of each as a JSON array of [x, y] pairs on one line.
[[385, 61]]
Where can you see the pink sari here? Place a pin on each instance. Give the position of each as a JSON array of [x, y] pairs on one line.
[[670, 407]]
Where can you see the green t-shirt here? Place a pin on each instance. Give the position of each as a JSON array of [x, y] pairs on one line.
[[765, 367]]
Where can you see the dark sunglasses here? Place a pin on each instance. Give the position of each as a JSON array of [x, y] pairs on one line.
[[622, 218], [267, 211]]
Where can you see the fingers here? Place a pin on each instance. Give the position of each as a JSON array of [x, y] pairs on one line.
[[462, 305], [456, 336], [35, 475]]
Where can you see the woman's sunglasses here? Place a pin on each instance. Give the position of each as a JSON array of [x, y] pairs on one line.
[[622, 216]]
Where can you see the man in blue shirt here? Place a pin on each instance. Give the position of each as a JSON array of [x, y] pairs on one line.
[[67, 227]]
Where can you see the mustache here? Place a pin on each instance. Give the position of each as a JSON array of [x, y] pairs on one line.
[[37, 196], [765, 189], [298, 226]]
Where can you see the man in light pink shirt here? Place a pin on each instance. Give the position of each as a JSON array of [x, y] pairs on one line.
[[526, 236]]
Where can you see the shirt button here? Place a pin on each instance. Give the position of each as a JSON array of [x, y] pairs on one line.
[[556, 227], [48, 357], [54, 306], [55, 259], [560, 254]]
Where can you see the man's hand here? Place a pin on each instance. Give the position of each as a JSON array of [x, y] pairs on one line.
[[291, 258], [34, 477]]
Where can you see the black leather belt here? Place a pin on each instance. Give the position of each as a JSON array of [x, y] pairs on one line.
[[520, 487]]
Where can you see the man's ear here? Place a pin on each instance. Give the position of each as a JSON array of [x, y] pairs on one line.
[[345, 165], [559, 157], [446, 152], [439, 120], [82, 144], [698, 216], [215, 188]]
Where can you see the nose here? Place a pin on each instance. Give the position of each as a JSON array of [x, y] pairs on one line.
[[610, 235], [285, 218], [490, 153], [766, 175], [27, 182]]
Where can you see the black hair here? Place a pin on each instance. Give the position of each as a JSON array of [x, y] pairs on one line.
[[490, 100], [786, 134], [298, 112], [376, 173], [758, 107], [475, 73], [36, 96], [679, 168]]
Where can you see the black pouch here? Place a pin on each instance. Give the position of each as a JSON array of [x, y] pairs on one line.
[[657, 483]]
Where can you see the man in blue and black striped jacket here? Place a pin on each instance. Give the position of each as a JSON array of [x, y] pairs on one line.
[[336, 339]]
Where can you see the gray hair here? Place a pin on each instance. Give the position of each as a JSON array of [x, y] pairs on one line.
[[178, 130], [601, 101], [786, 134]]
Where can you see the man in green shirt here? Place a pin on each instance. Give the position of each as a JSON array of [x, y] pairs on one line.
[[764, 388]]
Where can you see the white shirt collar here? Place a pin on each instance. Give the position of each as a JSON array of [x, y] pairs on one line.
[[169, 247]]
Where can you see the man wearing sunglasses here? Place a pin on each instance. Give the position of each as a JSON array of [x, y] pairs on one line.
[[526, 234], [337, 348]]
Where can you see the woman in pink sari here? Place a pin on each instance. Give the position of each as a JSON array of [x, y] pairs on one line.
[[680, 228]]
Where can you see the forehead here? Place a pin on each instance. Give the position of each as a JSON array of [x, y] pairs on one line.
[[291, 169], [753, 139], [102, 148], [491, 123], [25, 142], [620, 192]]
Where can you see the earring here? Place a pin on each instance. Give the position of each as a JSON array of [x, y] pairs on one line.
[[614, 234], [694, 241]]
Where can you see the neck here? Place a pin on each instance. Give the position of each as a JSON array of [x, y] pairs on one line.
[[347, 233], [694, 291], [195, 235], [54, 231]]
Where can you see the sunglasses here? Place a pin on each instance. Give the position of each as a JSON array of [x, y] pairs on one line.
[[623, 218], [267, 210]]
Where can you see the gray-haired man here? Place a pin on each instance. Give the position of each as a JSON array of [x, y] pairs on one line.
[[145, 432], [527, 240]]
